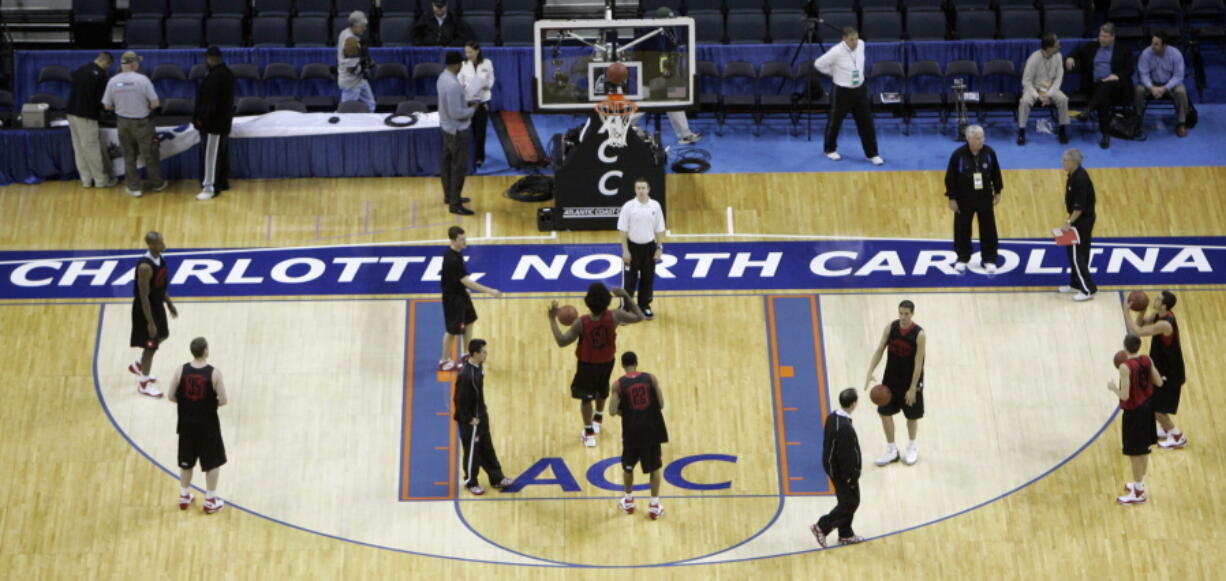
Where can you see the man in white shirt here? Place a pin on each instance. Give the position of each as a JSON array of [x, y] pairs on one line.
[[641, 222], [844, 62], [350, 76]]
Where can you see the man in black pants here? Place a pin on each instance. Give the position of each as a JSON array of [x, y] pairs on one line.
[[845, 64], [470, 412], [1079, 203], [641, 222], [1106, 75], [973, 185], [841, 461], [212, 118]]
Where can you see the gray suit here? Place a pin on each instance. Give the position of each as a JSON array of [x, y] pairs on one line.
[[454, 117]]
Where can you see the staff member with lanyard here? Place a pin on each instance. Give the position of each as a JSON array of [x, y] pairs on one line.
[[477, 78], [1079, 203], [132, 97], [640, 223], [844, 62], [973, 185]]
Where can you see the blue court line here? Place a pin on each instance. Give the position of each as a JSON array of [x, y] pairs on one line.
[[427, 461], [800, 392]]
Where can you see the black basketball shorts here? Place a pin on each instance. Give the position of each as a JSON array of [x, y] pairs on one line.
[[898, 399], [591, 381], [140, 327], [458, 313], [646, 455], [1137, 429], [1166, 398], [203, 444]]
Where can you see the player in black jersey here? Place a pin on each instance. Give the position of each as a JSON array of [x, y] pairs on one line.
[[1166, 351], [458, 312], [149, 304], [198, 392], [637, 398], [904, 375]]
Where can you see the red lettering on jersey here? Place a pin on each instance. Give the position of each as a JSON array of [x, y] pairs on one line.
[[901, 347], [193, 387]]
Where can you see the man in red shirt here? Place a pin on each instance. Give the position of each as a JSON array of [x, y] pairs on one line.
[[1138, 378], [597, 350]]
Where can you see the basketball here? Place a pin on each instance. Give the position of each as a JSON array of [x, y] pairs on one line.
[[567, 315], [617, 73], [880, 395], [1120, 357], [1138, 301]]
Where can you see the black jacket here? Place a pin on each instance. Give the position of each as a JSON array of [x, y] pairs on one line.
[[1079, 195], [960, 175], [1122, 64], [215, 101], [453, 32], [470, 394], [88, 86], [841, 450]]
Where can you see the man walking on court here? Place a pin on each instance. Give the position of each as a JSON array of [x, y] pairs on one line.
[[198, 392], [213, 116], [84, 109], [844, 62], [455, 113], [904, 375], [841, 461], [149, 304], [597, 350], [1079, 203], [640, 223], [1166, 352], [132, 97], [458, 312], [472, 417], [973, 185], [638, 400], [1138, 378]]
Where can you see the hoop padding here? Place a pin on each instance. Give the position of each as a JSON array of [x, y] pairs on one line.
[[617, 115]]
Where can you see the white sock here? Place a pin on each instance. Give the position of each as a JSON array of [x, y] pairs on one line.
[[144, 378], [891, 447], [1161, 432], [1139, 486], [628, 497], [655, 500], [183, 492], [1176, 433], [911, 443], [209, 495]]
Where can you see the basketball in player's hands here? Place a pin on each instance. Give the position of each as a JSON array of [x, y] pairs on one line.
[[617, 73], [1138, 301], [880, 395], [1120, 357], [567, 315]]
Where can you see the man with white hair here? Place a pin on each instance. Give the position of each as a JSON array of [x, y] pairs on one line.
[[1079, 202], [132, 97], [349, 62], [973, 185]]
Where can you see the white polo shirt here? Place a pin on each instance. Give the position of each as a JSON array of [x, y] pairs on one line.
[[844, 65], [641, 221]]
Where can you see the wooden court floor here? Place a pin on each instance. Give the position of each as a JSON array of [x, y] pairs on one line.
[[77, 501]]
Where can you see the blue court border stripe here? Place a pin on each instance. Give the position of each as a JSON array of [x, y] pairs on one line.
[[802, 396]]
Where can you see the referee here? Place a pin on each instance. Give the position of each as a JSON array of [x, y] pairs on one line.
[[1079, 203], [973, 185], [640, 223], [845, 63]]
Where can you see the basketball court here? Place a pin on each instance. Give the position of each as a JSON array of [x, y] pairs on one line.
[[319, 299]]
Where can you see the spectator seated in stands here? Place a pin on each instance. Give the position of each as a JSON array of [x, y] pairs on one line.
[[1041, 83], [1104, 66], [1161, 73], [440, 28], [352, 63]]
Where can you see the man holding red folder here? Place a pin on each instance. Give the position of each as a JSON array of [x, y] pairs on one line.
[[1079, 203]]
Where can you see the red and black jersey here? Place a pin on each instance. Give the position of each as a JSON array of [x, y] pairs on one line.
[[196, 397], [1166, 352], [598, 343], [159, 280], [642, 420], [900, 355], [1139, 386]]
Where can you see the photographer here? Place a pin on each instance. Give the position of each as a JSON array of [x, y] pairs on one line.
[[352, 63]]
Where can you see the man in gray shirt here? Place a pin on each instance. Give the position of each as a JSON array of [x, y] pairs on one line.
[[455, 113], [353, 84], [1041, 81], [132, 97]]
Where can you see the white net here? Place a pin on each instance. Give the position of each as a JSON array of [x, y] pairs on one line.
[[617, 116]]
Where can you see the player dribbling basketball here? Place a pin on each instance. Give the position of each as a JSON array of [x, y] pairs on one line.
[[904, 375]]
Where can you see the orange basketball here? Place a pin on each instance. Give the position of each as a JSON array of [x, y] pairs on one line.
[[617, 73], [880, 395], [1138, 301], [1120, 357], [567, 315]]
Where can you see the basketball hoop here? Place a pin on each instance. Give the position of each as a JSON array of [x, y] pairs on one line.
[[617, 113]]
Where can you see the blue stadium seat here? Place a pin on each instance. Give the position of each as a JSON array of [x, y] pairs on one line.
[[975, 25], [882, 27], [147, 8], [236, 8], [1019, 23], [786, 26], [224, 32], [184, 32], [315, 8], [270, 31], [750, 27], [517, 29], [837, 21], [318, 87], [484, 27], [311, 31], [708, 26], [399, 8], [274, 7], [92, 11], [1064, 22], [280, 82], [925, 25], [143, 33], [197, 8], [396, 30]]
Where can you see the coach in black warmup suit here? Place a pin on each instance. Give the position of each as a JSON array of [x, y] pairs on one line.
[[973, 185], [470, 411], [841, 461], [1106, 75], [1079, 203], [212, 118]]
